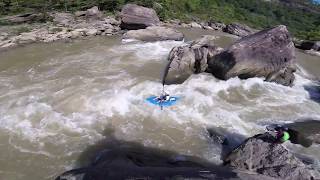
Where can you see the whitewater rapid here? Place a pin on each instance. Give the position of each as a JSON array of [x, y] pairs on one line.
[[53, 108]]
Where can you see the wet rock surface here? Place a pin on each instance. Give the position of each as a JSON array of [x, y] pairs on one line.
[[189, 59], [269, 53], [260, 154]]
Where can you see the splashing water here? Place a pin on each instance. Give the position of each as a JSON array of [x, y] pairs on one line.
[[57, 99]]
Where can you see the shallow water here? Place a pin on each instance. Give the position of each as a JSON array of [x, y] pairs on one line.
[[57, 99]]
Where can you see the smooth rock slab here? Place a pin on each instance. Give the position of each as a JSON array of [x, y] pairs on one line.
[[154, 33]]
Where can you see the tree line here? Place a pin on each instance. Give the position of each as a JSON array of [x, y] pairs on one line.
[[302, 17]]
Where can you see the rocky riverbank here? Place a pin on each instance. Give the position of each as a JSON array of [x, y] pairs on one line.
[[62, 26], [58, 26]]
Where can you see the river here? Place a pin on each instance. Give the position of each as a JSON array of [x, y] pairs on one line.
[[58, 99]]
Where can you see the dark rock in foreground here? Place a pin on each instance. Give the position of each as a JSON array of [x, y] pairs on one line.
[[260, 155], [154, 33], [137, 162], [135, 17], [268, 53]]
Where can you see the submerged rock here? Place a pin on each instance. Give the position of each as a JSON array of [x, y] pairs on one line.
[[259, 154], [269, 53], [154, 33], [238, 29], [189, 59], [310, 45], [135, 17]]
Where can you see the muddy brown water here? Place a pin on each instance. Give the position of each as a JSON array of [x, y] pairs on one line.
[[57, 99]]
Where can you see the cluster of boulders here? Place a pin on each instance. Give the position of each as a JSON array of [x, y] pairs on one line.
[[63, 26], [141, 23], [269, 53], [233, 28]]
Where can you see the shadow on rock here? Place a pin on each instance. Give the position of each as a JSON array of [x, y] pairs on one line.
[[309, 128], [117, 159], [228, 140], [314, 92]]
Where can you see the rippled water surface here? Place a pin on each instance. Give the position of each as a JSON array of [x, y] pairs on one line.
[[58, 99]]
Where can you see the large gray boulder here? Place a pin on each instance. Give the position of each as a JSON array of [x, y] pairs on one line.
[[189, 59], [154, 33], [238, 29], [135, 17], [260, 154], [269, 53]]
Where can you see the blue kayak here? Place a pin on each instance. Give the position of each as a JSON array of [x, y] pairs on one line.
[[154, 100]]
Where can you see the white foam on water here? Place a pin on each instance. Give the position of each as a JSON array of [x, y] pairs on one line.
[[155, 51], [68, 102]]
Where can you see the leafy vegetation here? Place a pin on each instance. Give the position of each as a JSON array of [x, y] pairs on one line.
[[302, 17]]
